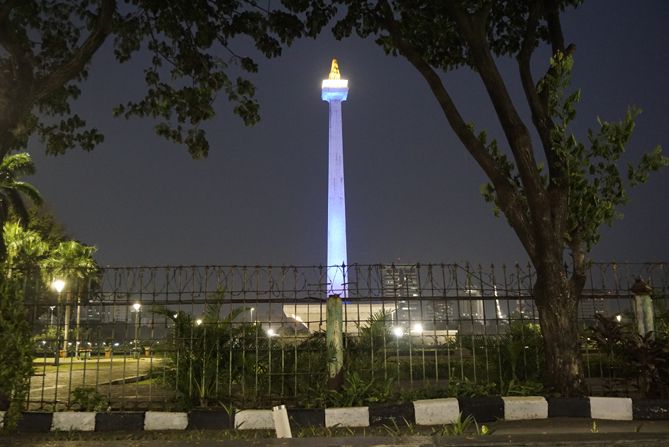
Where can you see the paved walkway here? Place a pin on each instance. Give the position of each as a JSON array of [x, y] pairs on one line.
[[116, 378]]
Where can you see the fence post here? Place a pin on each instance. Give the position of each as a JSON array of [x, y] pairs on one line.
[[335, 342], [643, 306]]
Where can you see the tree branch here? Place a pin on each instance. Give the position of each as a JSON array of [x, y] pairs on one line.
[[61, 75], [552, 15], [472, 29], [543, 122], [16, 82], [15, 47], [540, 116], [508, 196]]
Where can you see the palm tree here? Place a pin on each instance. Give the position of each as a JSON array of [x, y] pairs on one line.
[[13, 190], [72, 262], [23, 247]]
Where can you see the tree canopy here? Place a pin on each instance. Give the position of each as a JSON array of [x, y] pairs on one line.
[[47, 47]]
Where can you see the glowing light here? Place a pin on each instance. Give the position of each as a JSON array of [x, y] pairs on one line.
[[398, 331], [619, 318], [198, 321], [58, 285], [136, 306], [334, 83], [417, 328], [271, 333]]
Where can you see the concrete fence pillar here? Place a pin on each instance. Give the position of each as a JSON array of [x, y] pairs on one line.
[[643, 307], [335, 341]]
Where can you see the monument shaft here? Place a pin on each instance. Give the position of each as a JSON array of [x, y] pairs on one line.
[[334, 91]]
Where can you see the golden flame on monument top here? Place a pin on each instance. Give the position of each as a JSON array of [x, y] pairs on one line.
[[334, 70], [334, 79]]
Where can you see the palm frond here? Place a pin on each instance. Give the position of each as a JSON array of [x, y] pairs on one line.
[[17, 165], [29, 191]]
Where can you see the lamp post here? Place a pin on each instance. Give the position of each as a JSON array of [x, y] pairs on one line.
[[58, 285], [252, 309], [77, 339], [137, 308]]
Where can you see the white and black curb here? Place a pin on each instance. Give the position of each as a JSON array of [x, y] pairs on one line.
[[420, 412]]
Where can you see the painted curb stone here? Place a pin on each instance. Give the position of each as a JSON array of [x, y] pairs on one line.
[[650, 409], [306, 417], [436, 411], [571, 407], [35, 422], [400, 414], [483, 409], [126, 421], [73, 421], [163, 420], [518, 408], [613, 408], [347, 417], [254, 420], [208, 419]]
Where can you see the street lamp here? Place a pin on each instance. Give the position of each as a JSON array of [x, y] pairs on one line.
[[137, 308], [252, 309], [58, 285]]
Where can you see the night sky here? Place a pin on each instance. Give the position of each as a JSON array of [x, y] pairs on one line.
[[260, 197]]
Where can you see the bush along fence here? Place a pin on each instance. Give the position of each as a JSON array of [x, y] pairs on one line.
[[177, 338]]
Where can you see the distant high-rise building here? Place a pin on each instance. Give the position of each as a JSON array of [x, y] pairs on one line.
[[335, 90], [413, 308]]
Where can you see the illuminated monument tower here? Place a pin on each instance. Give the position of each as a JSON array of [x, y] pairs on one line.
[[334, 91]]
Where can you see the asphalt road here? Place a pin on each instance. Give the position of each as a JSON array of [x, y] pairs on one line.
[[562, 432]]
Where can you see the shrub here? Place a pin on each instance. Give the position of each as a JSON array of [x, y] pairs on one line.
[[15, 351]]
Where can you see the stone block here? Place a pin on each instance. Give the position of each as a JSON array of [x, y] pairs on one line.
[[436, 411], [347, 417], [518, 408], [614, 408], [73, 421], [254, 420], [163, 420]]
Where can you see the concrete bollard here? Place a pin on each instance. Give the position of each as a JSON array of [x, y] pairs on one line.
[[281, 423]]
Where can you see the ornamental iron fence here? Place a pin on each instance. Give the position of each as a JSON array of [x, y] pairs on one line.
[[178, 337]]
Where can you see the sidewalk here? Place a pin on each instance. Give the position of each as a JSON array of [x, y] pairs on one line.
[[562, 432]]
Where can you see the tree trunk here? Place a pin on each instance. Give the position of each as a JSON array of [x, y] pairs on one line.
[[557, 299]]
